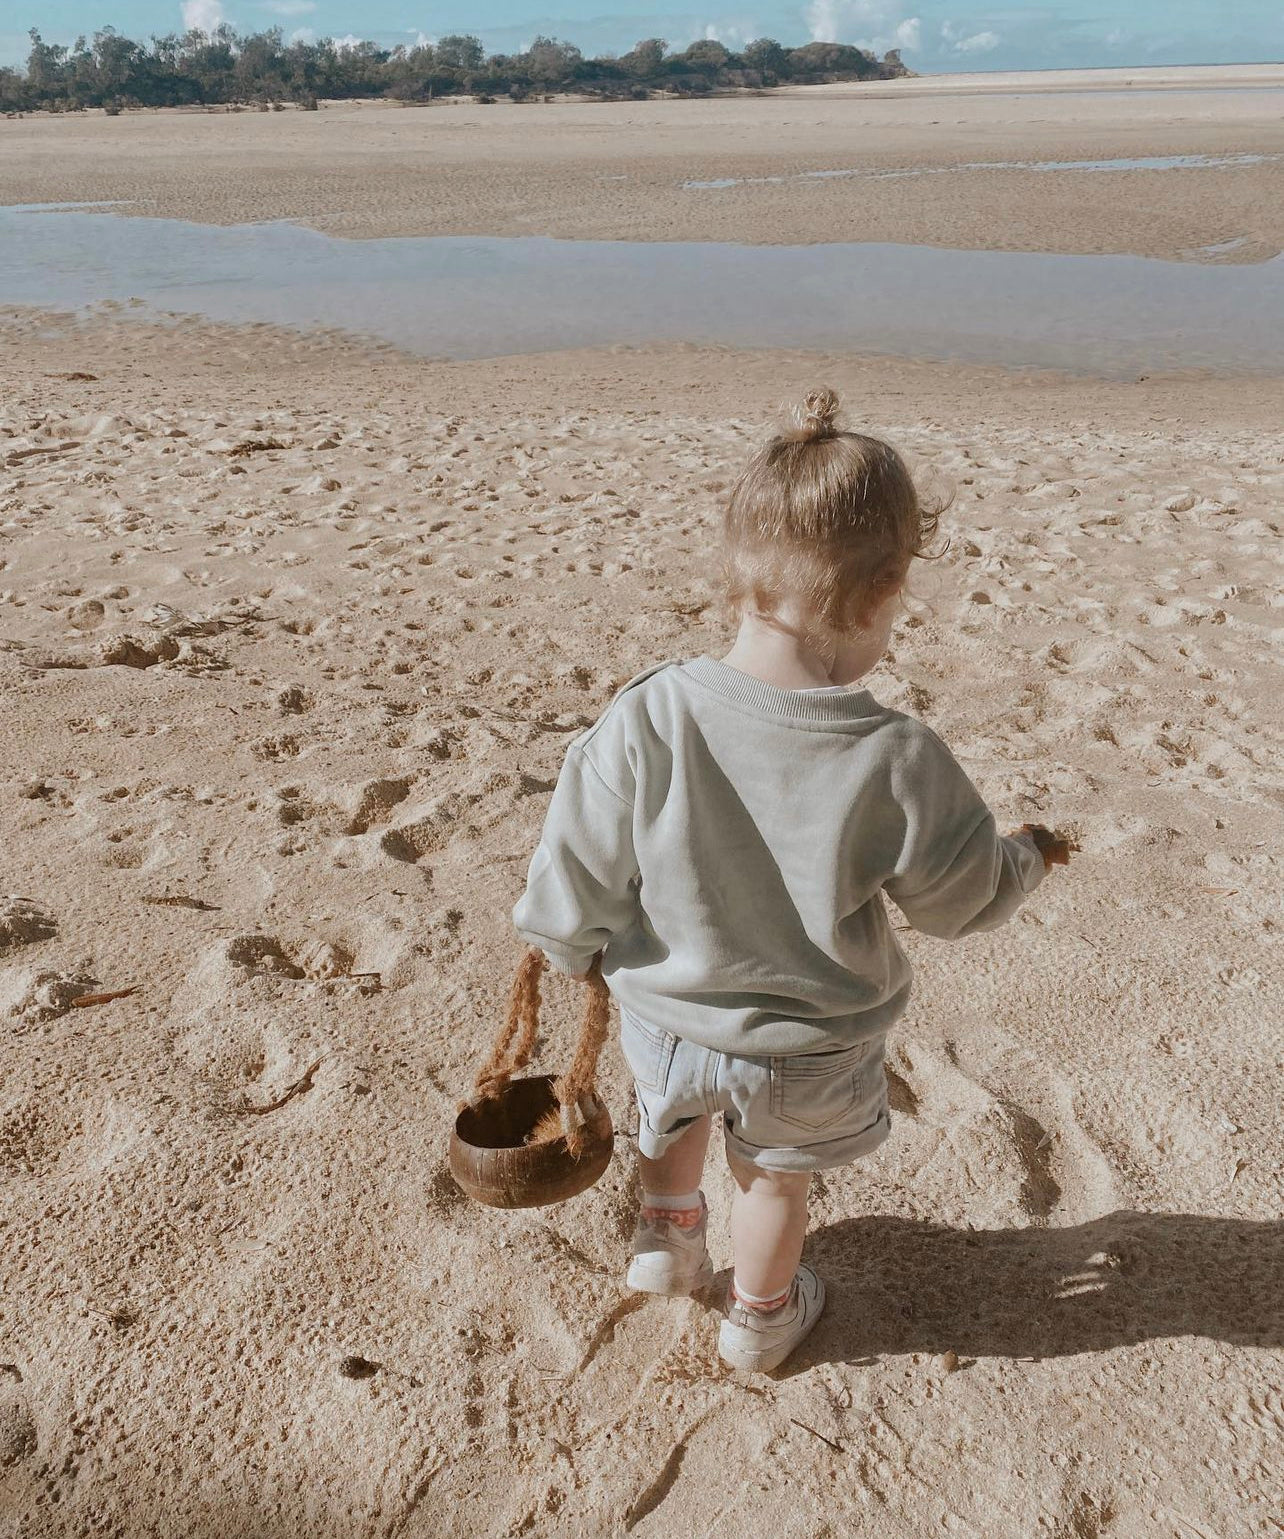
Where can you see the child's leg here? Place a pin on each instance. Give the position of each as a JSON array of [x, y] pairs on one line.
[[768, 1224], [678, 1170]]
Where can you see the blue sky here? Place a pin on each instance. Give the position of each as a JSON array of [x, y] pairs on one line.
[[934, 35]]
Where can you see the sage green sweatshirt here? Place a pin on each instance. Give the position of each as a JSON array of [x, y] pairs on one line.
[[727, 844]]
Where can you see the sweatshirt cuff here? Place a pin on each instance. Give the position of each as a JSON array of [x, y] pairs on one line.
[[561, 961], [1040, 870]]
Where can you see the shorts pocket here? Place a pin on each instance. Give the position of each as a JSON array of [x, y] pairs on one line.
[[647, 1051], [813, 1090]]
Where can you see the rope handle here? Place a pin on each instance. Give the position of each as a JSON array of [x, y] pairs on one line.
[[576, 1090]]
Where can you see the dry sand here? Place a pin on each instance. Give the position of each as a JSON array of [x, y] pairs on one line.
[[292, 638], [582, 169]]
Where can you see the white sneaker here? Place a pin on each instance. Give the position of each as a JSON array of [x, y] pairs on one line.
[[758, 1342], [668, 1258]]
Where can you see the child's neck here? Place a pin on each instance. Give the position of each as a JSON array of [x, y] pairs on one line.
[[778, 655]]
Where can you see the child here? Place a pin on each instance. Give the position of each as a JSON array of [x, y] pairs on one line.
[[723, 834]]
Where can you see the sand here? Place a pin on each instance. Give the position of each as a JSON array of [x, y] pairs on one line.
[[293, 635], [583, 169]]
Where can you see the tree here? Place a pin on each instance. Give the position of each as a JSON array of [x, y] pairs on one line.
[[45, 70], [13, 90], [119, 66], [832, 61], [705, 54], [209, 61], [767, 57], [462, 55], [550, 63], [227, 66], [257, 73], [645, 60]]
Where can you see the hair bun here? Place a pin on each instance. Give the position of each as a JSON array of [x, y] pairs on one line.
[[816, 415]]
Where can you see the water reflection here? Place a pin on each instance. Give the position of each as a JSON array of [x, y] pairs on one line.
[[1134, 163], [470, 297]]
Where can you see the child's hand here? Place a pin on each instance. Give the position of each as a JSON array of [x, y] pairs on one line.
[[1055, 848]]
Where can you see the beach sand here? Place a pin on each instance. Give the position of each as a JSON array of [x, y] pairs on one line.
[[617, 171], [293, 636]]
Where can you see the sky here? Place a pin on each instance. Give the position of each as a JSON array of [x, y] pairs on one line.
[[934, 36]]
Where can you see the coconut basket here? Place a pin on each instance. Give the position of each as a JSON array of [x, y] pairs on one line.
[[539, 1139]]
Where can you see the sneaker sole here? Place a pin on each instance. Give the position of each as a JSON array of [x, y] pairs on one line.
[[762, 1360], [643, 1279]]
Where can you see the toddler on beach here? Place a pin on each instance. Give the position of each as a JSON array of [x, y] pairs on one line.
[[722, 836]]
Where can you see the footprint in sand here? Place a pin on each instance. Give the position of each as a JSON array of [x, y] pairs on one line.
[[31, 1137], [255, 958], [86, 616], [18, 1438], [430, 826], [276, 749], [126, 651], [234, 1022], [1063, 1170], [371, 804], [260, 954], [30, 997], [998, 1123], [293, 700], [22, 923], [293, 807]]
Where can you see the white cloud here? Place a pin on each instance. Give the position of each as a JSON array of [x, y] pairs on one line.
[[822, 21], [290, 7], [730, 36], [348, 41], [961, 41], [302, 35], [203, 15], [909, 34], [979, 42], [876, 25]]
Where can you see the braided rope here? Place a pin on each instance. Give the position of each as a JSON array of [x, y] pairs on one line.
[[579, 1083], [515, 1043], [521, 1023]]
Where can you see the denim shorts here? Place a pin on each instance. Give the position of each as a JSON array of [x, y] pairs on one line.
[[808, 1111]]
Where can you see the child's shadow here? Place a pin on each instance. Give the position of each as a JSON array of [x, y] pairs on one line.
[[901, 1285]]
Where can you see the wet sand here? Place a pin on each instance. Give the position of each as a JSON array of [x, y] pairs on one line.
[[293, 635], [589, 170]]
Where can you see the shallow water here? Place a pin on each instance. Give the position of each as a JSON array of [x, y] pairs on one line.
[[1136, 163], [472, 297]]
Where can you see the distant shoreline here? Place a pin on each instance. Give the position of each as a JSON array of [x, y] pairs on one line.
[[1189, 165], [1244, 77]]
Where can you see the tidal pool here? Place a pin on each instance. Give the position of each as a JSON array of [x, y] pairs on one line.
[[474, 297], [887, 173]]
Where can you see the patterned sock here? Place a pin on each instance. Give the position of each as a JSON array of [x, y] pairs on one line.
[[761, 1306], [684, 1210]]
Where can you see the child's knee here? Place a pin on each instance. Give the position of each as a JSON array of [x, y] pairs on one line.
[[755, 1178]]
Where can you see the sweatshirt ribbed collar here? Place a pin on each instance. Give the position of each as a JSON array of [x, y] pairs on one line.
[[772, 700]]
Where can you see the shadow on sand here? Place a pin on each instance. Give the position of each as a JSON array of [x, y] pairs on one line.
[[902, 1285]]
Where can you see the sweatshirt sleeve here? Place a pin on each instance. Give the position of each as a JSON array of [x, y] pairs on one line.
[[955, 873], [579, 887]]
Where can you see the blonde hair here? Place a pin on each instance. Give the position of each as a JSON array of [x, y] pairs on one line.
[[827, 517]]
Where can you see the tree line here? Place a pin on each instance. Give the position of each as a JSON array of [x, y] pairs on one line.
[[225, 67]]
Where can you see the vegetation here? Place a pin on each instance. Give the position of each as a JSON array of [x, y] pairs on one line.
[[229, 68]]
